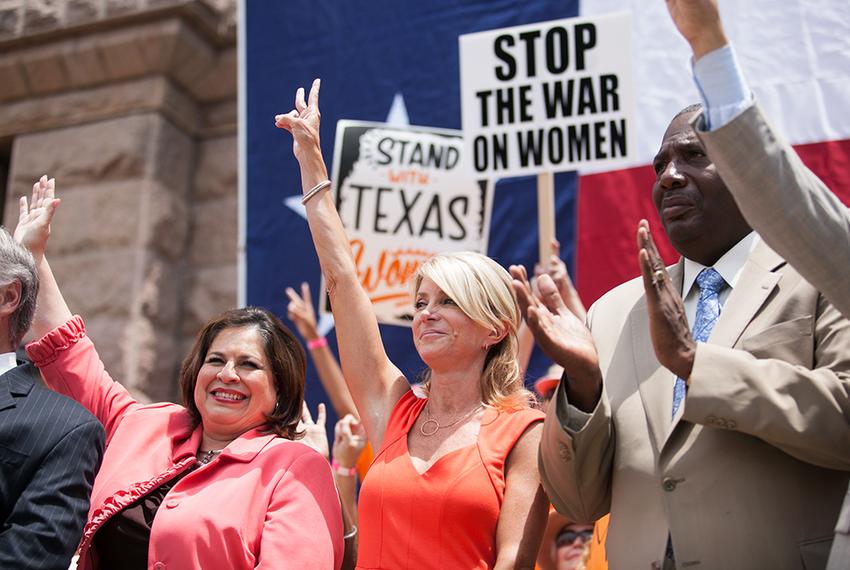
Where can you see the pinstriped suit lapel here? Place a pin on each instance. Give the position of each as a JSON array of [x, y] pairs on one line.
[[6, 399], [15, 382]]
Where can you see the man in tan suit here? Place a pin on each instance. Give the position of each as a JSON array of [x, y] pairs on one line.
[[790, 208], [743, 468]]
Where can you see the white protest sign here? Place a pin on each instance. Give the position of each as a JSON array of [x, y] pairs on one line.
[[551, 96], [405, 194]]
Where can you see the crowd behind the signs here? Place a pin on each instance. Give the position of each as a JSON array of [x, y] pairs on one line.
[[695, 416]]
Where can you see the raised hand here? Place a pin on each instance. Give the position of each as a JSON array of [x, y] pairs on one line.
[[303, 121], [668, 324], [699, 22], [300, 311], [557, 270], [349, 440], [561, 336], [315, 434], [34, 218]]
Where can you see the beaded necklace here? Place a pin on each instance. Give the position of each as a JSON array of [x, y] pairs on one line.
[[205, 457]]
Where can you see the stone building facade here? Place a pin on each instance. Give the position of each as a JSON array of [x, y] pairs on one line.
[[131, 105]]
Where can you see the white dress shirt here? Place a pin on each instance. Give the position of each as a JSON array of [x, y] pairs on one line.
[[8, 360], [729, 267]]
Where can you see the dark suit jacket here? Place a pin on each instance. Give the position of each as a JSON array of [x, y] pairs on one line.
[[50, 450]]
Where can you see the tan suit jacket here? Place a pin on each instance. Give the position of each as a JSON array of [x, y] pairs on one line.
[[747, 474], [789, 207], [797, 215]]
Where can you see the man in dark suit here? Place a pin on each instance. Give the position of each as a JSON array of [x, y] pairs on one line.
[[50, 446]]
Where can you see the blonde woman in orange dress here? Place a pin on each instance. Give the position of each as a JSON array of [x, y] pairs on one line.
[[454, 483]]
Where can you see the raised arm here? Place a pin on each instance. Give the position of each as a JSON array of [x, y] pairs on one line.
[[576, 449], [759, 393], [63, 352], [349, 441], [300, 311], [375, 383], [561, 336], [33, 231], [792, 210], [699, 23], [557, 270]]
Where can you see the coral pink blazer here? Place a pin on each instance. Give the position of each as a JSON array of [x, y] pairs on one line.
[[265, 502]]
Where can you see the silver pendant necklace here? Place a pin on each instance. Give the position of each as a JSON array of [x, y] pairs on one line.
[[434, 425]]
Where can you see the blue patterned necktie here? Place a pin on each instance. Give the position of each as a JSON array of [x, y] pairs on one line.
[[708, 311], [710, 284]]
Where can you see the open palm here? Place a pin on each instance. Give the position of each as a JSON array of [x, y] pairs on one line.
[[34, 218], [562, 337], [699, 23]]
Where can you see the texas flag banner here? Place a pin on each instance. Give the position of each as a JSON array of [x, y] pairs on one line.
[[398, 63]]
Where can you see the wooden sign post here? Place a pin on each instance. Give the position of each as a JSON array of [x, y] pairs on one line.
[[548, 97], [545, 215]]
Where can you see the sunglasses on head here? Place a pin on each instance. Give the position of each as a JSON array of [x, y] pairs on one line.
[[567, 536]]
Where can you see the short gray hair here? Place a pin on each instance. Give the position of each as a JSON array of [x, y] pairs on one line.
[[17, 264]]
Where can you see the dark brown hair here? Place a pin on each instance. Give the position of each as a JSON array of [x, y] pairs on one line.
[[283, 352]]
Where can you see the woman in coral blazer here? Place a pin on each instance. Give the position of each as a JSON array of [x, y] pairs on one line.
[[219, 482]]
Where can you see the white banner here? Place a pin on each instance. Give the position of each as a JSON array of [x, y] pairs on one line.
[[548, 97], [405, 194]]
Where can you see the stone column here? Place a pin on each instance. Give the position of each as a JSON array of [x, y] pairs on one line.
[[131, 106]]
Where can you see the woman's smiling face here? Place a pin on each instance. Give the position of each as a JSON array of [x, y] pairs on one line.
[[441, 329], [235, 390]]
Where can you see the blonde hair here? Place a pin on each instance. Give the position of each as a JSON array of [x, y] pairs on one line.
[[482, 290]]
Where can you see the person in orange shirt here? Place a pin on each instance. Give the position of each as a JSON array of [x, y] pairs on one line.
[[566, 545], [544, 387], [454, 483], [597, 558], [563, 540]]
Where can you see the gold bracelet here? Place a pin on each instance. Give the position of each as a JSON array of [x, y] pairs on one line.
[[315, 190]]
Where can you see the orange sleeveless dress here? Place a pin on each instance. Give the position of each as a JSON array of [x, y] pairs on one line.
[[447, 516]]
